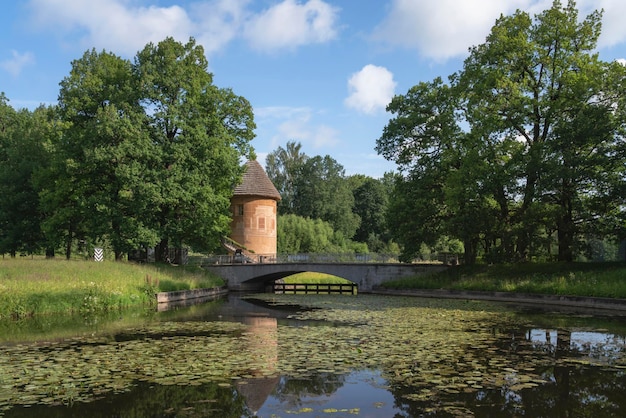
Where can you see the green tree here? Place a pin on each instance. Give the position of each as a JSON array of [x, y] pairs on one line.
[[282, 167], [370, 204], [9, 124], [313, 187], [512, 149], [150, 153], [542, 82], [426, 141], [323, 192], [104, 163], [21, 156], [296, 234], [201, 131]]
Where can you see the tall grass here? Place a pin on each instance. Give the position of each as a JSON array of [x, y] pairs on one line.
[[576, 279], [31, 287]]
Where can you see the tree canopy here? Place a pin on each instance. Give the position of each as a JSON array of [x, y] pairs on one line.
[[313, 187], [136, 154], [524, 144]]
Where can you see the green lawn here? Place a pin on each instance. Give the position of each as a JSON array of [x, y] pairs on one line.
[[38, 286], [577, 279], [315, 278], [31, 287]]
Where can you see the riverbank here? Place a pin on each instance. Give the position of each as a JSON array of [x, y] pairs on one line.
[[583, 285], [585, 302], [33, 287], [603, 280]]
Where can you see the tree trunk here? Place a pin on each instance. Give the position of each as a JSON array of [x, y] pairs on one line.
[[523, 242], [565, 225], [562, 374], [532, 176], [566, 240], [471, 251], [162, 252], [68, 243]]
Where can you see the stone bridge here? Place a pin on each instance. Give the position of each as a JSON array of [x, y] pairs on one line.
[[256, 276]]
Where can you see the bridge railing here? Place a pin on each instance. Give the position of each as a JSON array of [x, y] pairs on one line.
[[442, 258]]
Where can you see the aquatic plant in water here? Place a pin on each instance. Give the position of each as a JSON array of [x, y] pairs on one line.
[[430, 348]]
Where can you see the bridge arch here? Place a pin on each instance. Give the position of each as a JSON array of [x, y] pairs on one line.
[[267, 279], [254, 277]]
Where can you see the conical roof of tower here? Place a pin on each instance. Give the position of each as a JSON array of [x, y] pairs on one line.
[[256, 183]]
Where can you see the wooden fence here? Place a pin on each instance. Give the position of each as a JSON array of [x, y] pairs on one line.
[[318, 289]]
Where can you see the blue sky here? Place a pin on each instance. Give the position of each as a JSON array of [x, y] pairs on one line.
[[319, 72]]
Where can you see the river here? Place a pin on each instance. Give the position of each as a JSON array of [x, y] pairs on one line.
[[318, 356]]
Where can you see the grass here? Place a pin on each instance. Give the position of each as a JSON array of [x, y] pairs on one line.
[[575, 279], [314, 278], [30, 287], [310, 277]]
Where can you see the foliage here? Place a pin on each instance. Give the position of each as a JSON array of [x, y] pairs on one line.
[[296, 234], [101, 182], [370, 204], [523, 146], [283, 167], [322, 192], [201, 132], [313, 187], [577, 279], [442, 356], [136, 154], [20, 156]]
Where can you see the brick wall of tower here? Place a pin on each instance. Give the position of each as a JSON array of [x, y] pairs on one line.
[[254, 223]]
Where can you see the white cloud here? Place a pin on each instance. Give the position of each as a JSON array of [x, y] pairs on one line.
[[125, 28], [219, 22], [281, 112], [613, 28], [446, 28], [112, 24], [300, 128], [324, 136], [371, 89], [17, 61], [621, 61], [290, 24], [284, 124]]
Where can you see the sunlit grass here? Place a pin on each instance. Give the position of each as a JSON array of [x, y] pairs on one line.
[[577, 279], [315, 278], [37, 286]]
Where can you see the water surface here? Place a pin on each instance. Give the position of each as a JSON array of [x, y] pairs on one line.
[[312, 356]]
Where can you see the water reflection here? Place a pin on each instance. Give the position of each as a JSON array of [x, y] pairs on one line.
[[520, 365], [149, 400], [599, 346], [263, 346]]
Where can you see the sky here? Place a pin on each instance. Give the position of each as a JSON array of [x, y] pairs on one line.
[[318, 72]]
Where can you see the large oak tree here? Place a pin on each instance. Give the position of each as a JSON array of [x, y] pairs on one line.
[[150, 154], [202, 132], [526, 140]]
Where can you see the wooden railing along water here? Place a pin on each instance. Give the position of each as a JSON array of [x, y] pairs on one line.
[[315, 288]]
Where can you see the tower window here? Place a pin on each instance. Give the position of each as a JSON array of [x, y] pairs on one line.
[[261, 223], [239, 210]]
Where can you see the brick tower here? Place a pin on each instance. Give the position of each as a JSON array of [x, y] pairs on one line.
[[253, 207]]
